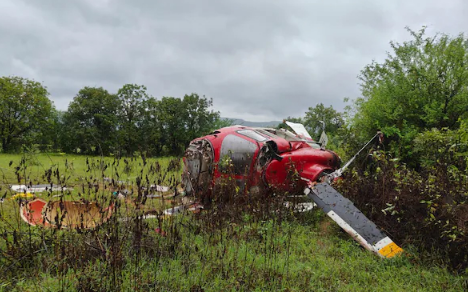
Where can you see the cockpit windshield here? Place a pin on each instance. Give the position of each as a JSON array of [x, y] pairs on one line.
[[281, 133], [287, 135], [252, 134]]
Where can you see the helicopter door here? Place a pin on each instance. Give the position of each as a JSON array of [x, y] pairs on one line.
[[236, 157]]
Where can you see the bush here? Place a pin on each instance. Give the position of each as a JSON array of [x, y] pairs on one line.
[[428, 209]]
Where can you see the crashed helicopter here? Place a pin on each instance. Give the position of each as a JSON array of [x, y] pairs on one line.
[[261, 160]]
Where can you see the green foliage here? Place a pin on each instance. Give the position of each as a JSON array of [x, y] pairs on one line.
[[334, 121], [289, 119], [316, 115], [315, 118], [130, 116], [426, 208], [25, 111], [171, 118], [174, 122], [197, 118], [222, 123], [258, 245], [152, 126], [90, 123], [72, 167], [444, 146], [50, 134], [129, 123], [422, 85], [250, 256]]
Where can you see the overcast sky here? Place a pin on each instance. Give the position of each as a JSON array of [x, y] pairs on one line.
[[259, 60]]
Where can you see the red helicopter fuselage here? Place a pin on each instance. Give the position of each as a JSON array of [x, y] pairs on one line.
[[259, 159]]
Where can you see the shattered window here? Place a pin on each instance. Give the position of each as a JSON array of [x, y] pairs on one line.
[[282, 133], [237, 151], [264, 132], [253, 135]]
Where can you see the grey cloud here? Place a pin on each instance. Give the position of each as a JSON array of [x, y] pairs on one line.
[[259, 60]]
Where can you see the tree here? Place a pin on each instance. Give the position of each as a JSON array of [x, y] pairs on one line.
[[152, 126], [131, 98], [24, 109], [289, 119], [198, 119], [170, 116], [90, 123], [222, 123], [48, 138], [316, 115], [422, 85], [182, 120], [313, 120]]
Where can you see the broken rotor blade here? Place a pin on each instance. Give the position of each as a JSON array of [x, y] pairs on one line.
[[353, 221]]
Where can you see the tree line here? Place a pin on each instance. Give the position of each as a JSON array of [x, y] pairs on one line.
[[99, 122], [421, 87]]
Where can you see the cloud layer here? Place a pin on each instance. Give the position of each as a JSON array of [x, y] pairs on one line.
[[259, 60]]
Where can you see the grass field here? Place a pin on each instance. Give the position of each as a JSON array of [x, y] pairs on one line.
[[215, 250], [73, 169]]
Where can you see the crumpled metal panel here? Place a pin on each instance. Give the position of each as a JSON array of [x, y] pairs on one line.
[[199, 167]]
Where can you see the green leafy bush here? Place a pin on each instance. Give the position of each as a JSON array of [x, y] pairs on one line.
[[428, 209]]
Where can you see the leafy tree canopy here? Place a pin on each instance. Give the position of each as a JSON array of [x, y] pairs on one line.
[[183, 120], [90, 122], [25, 109], [131, 111], [320, 114], [422, 84], [315, 118]]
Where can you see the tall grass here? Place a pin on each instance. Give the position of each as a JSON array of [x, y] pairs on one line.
[[240, 243]]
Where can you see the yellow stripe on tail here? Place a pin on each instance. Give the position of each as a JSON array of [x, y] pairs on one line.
[[390, 250]]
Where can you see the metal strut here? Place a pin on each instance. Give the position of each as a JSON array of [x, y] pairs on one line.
[[337, 173]]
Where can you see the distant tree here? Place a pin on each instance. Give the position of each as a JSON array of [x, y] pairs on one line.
[[197, 118], [222, 123], [316, 115], [152, 126], [289, 119], [131, 100], [334, 124], [171, 113], [182, 120], [90, 123], [422, 84], [48, 137], [24, 110]]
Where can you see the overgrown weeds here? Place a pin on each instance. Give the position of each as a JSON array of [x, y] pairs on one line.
[[427, 209], [242, 241]]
